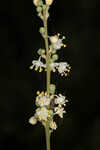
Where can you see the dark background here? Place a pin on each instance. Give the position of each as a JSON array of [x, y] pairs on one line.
[[19, 25]]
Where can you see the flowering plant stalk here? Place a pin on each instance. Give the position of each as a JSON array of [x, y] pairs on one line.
[[49, 104]]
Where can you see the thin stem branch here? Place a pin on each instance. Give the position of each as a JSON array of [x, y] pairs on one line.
[[47, 137], [47, 50], [47, 133]]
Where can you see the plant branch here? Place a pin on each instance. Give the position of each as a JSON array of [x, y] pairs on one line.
[[48, 71]]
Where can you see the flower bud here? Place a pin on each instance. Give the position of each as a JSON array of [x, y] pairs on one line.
[[52, 88], [54, 39], [53, 52], [51, 113], [42, 30], [53, 125], [41, 51], [32, 120], [55, 57], [39, 9], [35, 2], [49, 2]]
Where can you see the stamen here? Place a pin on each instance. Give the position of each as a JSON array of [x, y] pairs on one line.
[[63, 37], [40, 70], [38, 92], [68, 70], [65, 45], [58, 34], [36, 69], [54, 70], [31, 67], [59, 105], [46, 93], [62, 74]]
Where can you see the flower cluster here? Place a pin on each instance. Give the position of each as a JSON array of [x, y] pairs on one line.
[[48, 107], [48, 103], [63, 68], [57, 41], [38, 64]]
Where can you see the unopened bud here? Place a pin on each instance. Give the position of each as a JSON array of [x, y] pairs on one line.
[[42, 30], [41, 51], [55, 57], [53, 52], [39, 9], [52, 88], [35, 2], [33, 120], [49, 2]]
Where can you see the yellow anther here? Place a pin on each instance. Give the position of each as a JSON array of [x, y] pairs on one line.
[[68, 70], [62, 74], [59, 105], [64, 37], [66, 74], [47, 110], [40, 70], [36, 69], [58, 34], [31, 67], [38, 92], [46, 93], [54, 70], [65, 45], [49, 116]]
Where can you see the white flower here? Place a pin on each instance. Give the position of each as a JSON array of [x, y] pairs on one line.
[[33, 120], [53, 66], [60, 100], [58, 45], [59, 111], [38, 64], [62, 67], [53, 125], [56, 42], [42, 113], [43, 101]]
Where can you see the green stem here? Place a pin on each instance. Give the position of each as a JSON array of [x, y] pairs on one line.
[[47, 137], [47, 73], [47, 50]]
